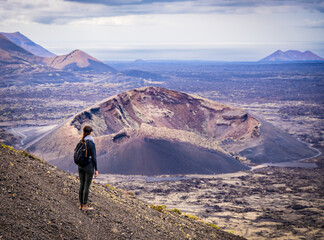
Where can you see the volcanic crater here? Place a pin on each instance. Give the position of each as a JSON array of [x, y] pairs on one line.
[[153, 131]]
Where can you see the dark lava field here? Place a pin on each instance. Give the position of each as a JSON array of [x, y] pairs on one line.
[[266, 203]]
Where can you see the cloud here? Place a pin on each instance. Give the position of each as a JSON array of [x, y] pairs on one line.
[[125, 2], [225, 5], [314, 23], [98, 11]]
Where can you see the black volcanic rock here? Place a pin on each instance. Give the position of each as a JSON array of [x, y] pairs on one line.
[[28, 44], [291, 55]]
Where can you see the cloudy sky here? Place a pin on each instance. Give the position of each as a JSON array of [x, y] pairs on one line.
[[221, 30]]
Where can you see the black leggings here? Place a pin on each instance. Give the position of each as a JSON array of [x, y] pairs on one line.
[[85, 175]]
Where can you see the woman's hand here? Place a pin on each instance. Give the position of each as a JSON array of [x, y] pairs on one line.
[[96, 174]]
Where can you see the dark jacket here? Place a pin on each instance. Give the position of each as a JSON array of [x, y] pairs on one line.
[[92, 153]]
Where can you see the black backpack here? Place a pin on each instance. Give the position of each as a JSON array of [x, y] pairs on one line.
[[81, 154]]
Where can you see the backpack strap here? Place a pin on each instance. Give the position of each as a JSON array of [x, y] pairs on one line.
[[85, 143], [86, 147]]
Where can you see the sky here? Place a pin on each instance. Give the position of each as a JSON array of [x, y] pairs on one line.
[[126, 30]]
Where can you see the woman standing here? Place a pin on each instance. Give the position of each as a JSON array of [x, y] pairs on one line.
[[86, 173]]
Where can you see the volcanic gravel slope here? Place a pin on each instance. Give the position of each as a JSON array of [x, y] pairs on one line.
[[39, 201]]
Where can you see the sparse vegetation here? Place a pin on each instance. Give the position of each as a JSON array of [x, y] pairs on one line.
[[159, 208], [213, 225], [22, 152], [193, 217], [11, 148], [177, 211]]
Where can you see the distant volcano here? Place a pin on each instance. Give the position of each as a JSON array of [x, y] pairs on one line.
[[153, 130], [78, 60], [291, 55]]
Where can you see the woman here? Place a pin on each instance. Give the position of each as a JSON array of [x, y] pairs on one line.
[[86, 173]]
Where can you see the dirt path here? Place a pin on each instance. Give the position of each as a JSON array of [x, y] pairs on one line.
[[19, 134]]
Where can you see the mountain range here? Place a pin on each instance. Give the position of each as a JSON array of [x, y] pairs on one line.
[[152, 131], [290, 56], [15, 48], [17, 51]]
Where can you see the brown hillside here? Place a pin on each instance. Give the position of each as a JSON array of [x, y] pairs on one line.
[[39, 201], [77, 60]]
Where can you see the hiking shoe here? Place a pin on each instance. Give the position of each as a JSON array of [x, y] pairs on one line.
[[86, 207], [80, 207]]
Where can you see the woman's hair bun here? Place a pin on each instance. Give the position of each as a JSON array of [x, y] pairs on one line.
[[87, 129]]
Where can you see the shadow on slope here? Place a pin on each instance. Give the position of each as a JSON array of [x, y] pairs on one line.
[[147, 156], [278, 146]]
